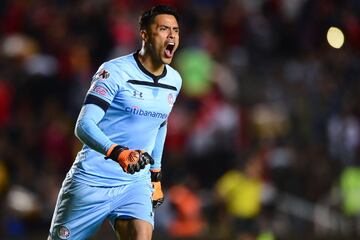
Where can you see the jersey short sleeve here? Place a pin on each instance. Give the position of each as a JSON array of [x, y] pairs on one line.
[[105, 83]]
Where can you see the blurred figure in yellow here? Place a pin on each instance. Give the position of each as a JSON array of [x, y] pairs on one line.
[[240, 191]]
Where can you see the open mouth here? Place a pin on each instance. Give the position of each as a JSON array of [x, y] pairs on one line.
[[169, 49]]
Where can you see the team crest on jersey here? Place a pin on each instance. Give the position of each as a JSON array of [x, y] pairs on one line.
[[171, 99], [102, 74], [63, 232]]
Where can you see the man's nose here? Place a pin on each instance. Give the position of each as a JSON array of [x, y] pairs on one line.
[[171, 34]]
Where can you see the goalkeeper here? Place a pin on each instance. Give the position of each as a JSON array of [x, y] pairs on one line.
[[123, 122]]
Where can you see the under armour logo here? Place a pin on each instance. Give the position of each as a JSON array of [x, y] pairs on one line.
[[137, 94]]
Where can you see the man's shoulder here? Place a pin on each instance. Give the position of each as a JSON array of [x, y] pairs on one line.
[[115, 68], [174, 77], [121, 62], [173, 72]]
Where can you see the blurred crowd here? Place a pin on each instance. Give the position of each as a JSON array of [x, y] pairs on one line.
[[263, 142]]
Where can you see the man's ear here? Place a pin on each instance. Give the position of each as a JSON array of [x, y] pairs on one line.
[[144, 35]]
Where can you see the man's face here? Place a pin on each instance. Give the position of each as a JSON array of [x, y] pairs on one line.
[[163, 38]]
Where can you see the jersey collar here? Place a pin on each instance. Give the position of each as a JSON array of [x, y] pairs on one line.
[[143, 69]]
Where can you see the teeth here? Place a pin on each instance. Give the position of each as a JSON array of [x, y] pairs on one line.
[[169, 49]]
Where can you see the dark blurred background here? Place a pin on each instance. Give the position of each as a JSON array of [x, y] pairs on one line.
[[263, 142]]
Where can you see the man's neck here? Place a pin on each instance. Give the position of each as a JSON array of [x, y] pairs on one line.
[[149, 64]]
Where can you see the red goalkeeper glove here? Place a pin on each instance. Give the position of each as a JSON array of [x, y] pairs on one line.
[[158, 195], [131, 161]]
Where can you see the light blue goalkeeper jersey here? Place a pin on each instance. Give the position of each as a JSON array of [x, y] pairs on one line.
[[133, 106]]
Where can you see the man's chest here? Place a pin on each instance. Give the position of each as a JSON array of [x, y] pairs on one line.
[[147, 99]]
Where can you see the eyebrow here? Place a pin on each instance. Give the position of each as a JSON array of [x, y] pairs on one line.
[[166, 26]]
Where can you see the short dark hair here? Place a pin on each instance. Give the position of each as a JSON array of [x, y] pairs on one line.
[[148, 16]]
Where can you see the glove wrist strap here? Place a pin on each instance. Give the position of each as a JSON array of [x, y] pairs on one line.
[[156, 175], [114, 152]]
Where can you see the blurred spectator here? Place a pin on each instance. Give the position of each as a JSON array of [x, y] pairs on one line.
[[344, 138], [188, 221], [241, 192], [195, 65], [350, 190]]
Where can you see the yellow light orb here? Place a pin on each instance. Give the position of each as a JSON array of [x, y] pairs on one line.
[[335, 37]]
